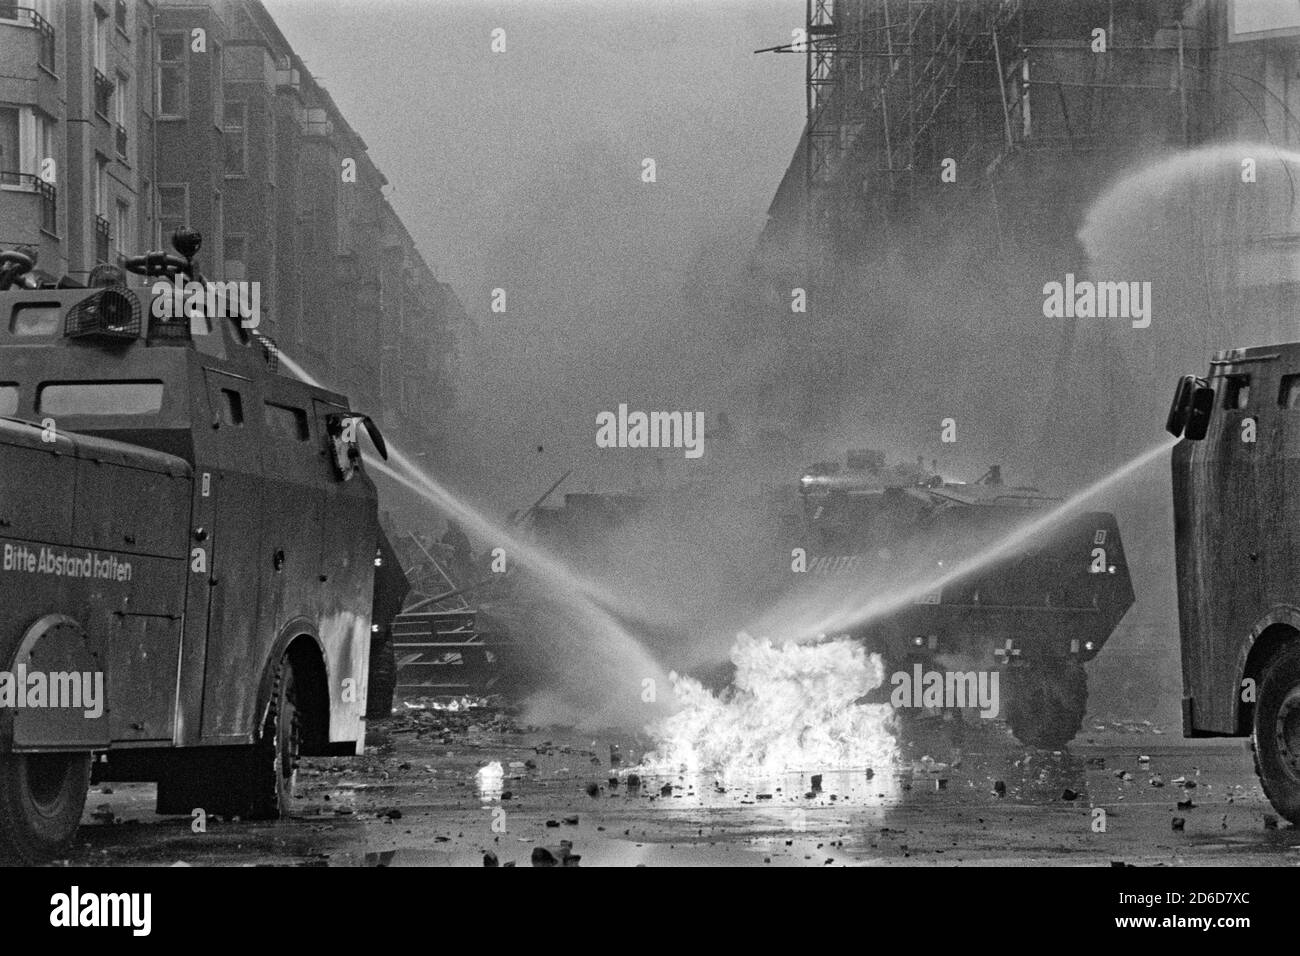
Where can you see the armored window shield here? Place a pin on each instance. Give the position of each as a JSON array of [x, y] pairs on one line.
[[8, 398], [35, 318], [287, 422], [1201, 407], [100, 398], [231, 407], [1288, 393], [1236, 392]]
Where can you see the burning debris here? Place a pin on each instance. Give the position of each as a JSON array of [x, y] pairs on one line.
[[790, 708]]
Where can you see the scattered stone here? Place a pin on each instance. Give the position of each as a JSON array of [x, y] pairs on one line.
[[633, 781], [1000, 788], [593, 790], [1068, 794], [817, 781], [1178, 824], [490, 859], [1270, 822]]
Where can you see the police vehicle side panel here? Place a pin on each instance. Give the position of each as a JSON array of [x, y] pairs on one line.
[[1237, 535]]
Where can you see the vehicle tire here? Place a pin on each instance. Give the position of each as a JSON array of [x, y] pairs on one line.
[[41, 800], [273, 762], [1276, 734], [381, 682], [1044, 703]]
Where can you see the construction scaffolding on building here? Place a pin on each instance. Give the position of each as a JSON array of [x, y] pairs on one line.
[[903, 93]]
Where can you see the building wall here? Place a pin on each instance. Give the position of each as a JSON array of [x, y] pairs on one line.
[[75, 184], [213, 121]]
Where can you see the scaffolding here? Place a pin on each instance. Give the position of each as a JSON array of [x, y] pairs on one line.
[[880, 74]]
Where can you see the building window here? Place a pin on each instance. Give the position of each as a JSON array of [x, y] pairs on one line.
[[235, 138], [122, 230], [172, 73], [99, 26], [11, 156], [236, 253], [173, 211], [46, 147], [103, 229], [103, 94], [27, 156], [120, 111], [101, 185]]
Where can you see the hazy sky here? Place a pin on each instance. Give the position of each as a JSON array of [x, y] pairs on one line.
[[459, 130], [522, 170]]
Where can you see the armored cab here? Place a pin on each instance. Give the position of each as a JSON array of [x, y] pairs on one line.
[[1237, 548], [182, 527], [990, 579]]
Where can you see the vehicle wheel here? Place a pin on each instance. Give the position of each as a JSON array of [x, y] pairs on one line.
[[1277, 733], [1044, 704], [274, 759], [41, 799], [382, 680]]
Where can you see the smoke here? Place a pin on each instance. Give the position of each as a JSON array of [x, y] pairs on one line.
[[523, 173]]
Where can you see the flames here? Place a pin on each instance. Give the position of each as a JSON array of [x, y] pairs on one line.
[[791, 708]]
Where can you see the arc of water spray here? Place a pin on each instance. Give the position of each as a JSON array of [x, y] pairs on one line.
[[418, 481], [593, 602], [858, 609]]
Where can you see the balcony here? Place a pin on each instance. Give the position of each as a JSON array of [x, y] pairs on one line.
[[47, 193], [102, 235], [45, 46], [120, 139], [103, 94]]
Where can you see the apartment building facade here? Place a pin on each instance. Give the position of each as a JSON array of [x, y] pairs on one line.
[[121, 120]]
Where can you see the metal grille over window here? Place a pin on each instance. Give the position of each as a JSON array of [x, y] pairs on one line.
[[107, 314]]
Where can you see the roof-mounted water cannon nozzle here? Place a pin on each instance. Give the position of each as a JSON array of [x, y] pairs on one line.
[[187, 241]]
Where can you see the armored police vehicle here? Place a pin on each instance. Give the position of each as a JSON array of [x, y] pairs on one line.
[[188, 555], [1037, 613], [1237, 548]]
